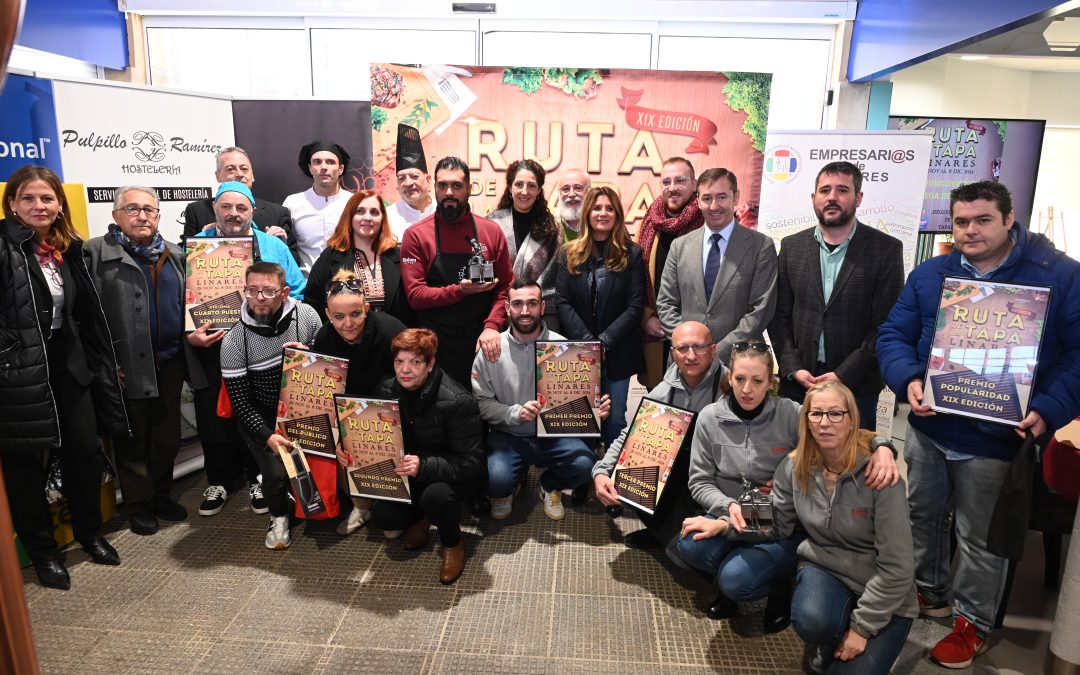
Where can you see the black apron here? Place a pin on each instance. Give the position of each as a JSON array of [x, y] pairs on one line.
[[458, 326]]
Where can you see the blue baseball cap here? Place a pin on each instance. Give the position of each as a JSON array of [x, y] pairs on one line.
[[234, 186]]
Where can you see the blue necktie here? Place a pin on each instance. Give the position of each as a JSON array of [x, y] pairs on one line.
[[712, 263]]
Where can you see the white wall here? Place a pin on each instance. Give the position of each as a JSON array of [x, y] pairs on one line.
[[949, 87], [328, 57]]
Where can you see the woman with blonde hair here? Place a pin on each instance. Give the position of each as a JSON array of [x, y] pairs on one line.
[[855, 597], [354, 332], [600, 294], [738, 443], [363, 244]]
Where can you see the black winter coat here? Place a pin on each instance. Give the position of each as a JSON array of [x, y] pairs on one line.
[[28, 419], [443, 429], [615, 317]]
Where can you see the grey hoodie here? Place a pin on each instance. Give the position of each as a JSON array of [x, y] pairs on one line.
[[727, 449], [862, 537], [671, 390], [502, 387]]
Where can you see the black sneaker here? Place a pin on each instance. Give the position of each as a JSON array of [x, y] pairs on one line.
[[258, 502], [214, 498]]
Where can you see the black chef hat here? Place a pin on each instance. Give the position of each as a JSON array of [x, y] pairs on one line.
[[410, 151], [319, 146]]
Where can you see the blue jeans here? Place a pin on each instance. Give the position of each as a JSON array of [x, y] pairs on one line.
[[568, 461], [970, 487], [742, 570], [616, 421], [820, 613]]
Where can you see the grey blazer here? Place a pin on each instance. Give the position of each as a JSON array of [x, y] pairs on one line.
[[744, 295]]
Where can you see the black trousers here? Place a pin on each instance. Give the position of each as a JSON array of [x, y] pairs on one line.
[[275, 480], [25, 472], [676, 503], [226, 456], [144, 463], [439, 502]]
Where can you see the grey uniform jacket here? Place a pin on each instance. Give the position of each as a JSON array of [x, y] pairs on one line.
[[727, 449], [862, 537], [671, 390]]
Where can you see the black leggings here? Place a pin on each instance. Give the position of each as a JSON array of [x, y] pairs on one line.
[[80, 466], [439, 502]]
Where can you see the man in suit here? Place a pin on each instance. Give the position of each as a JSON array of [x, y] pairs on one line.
[[723, 275], [836, 285], [233, 164]]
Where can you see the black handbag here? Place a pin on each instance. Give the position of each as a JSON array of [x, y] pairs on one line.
[[1012, 513]]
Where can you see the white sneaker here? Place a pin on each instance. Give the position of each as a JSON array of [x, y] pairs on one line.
[[277, 535], [501, 507], [356, 519], [552, 504], [392, 534]]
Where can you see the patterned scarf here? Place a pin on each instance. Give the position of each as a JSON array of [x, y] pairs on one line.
[[657, 220], [47, 254], [141, 253]]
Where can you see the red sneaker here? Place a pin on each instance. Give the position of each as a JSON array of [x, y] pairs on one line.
[[960, 647]]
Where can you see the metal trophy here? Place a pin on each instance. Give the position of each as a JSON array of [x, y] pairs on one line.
[[756, 508], [481, 271]]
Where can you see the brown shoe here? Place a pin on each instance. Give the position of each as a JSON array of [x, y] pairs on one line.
[[453, 562], [417, 535]]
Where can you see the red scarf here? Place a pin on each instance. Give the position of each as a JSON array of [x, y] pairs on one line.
[[44, 251], [657, 220]]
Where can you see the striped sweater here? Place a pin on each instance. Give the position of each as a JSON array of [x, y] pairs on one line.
[[251, 364]]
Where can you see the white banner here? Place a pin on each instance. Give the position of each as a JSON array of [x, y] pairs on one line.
[[112, 136], [894, 166]]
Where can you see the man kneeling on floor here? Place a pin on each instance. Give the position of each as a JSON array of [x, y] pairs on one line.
[[691, 382], [251, 371], [505, 390]]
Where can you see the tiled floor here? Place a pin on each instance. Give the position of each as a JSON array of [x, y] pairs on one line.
[[536, 597]]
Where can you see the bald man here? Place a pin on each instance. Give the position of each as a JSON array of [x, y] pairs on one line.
[[572, 188]]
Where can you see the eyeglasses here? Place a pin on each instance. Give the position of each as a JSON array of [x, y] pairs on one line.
[[353, 285], [148, 211], [759, 347], [251, 292], [835, 416], [567, 189], [677, 180], [697, 349]]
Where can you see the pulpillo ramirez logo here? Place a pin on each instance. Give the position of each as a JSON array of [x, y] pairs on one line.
[[150, 149], [782, 164]]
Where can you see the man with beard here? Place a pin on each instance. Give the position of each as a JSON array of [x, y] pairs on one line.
[[506, 393], [251, 371], [413, 183], [316, 211], [233, 164], [674, 213], [835, 286], [572, 188], [723, 274], [226, 457], [467, 317]]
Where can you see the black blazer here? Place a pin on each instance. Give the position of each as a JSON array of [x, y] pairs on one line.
[[866, 288], [331, 260], [200, 213], [617, 316]]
